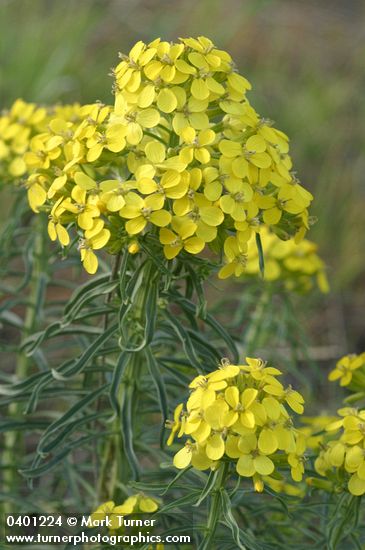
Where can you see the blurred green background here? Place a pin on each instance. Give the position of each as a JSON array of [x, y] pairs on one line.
[[304, 58]]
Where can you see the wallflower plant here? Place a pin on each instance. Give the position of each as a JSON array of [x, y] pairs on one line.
[[178, 180]]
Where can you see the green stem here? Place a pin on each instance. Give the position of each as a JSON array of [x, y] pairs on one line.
[[253, 331], [155, 136], [118, 458], [214, 112], [215, 508], [101, 467]]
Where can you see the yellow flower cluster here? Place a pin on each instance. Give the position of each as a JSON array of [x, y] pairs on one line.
[[344, 450], [135, 504], [17, 126], [239, 413], [346, 367], [182, 155], [297, 265]]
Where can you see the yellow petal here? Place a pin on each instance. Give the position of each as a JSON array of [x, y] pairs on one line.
[[146, 97], [247, 419], [194, 245], [245, 466], [90, 261], [148, 505], [166, 101], [36, 196], [356, 485], [135, 225], [232, 396], [215, 447], [263, 465], [100, 240], [272, 216], [182, 458], [134, 133], [232, 447], [199, 89], [155, 151], [84, 181], [267, 442], [161, 218], [62, 235], [94, 153], [248, 397], [148, 118]]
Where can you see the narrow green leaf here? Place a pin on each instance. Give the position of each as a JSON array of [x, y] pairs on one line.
[[50, 445], [118, 372], [33, 341], [177, 503], [161, 390], [230, 520], [94, 283], [208, 487], [37, 471], [68, 416], [213, 323], [68, 370], [185, 340], [127, 430], [19, 425], [20, 387], [176, 478]]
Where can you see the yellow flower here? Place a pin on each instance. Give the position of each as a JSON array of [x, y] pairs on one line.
[[128, 72], [133, 120], [182, 239], [42, 152], [139, 212], [105, 510], [239, 193], [92, 116], [113, 139], [252, 460], [345, 368], [196, 145], [36, 192], [134, 504], [92, 241], [83, 206], [236, 258], [164, 66], [296, 459], [189, 112], [342, 449], [175, 426], [55, 227]]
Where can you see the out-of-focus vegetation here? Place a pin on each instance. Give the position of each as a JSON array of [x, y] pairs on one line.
[[305, 60]]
